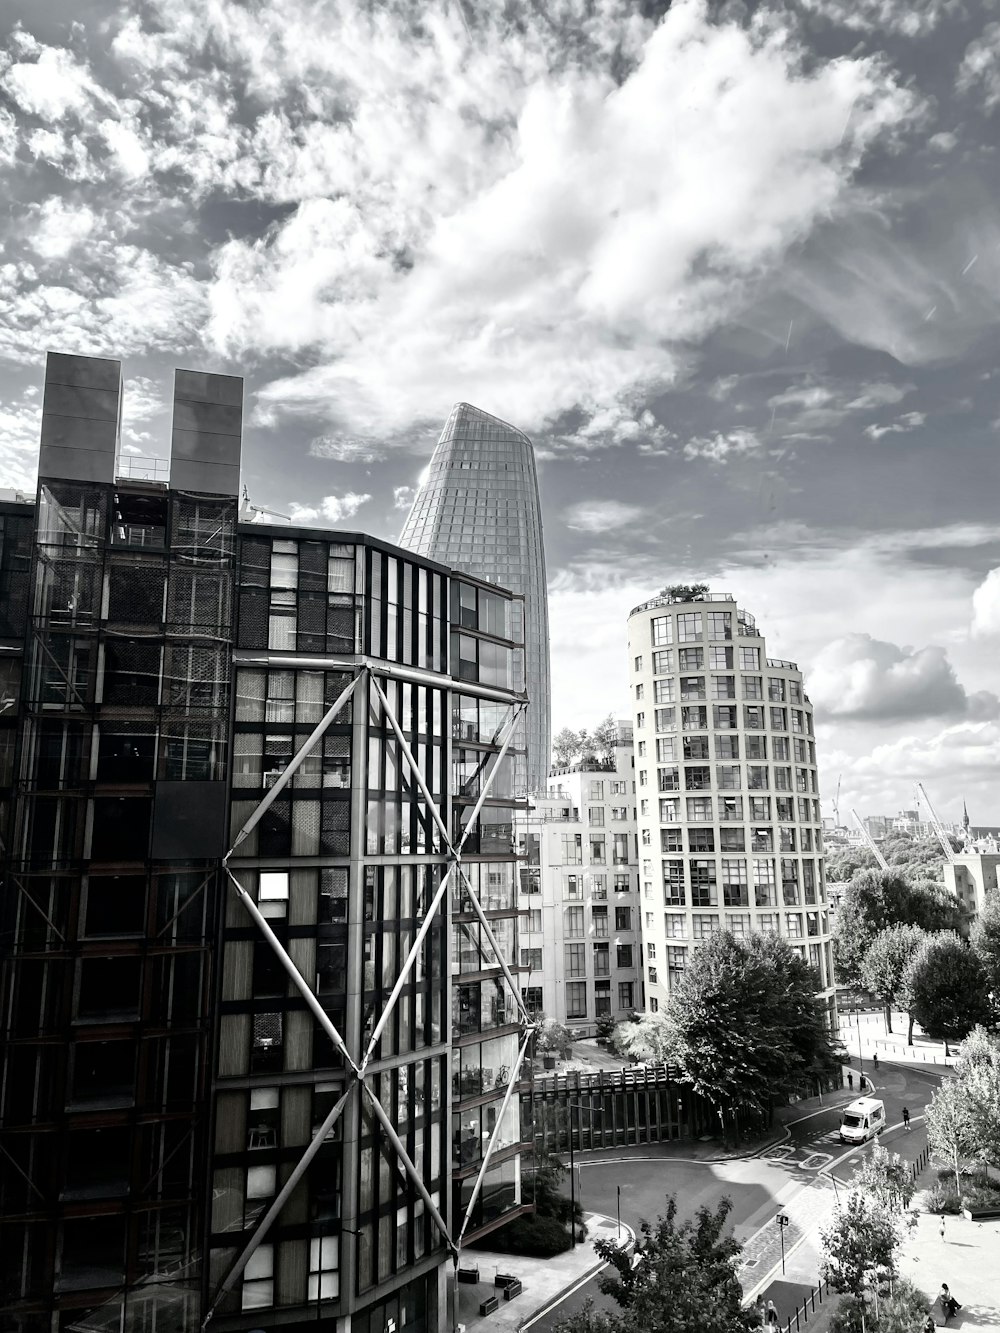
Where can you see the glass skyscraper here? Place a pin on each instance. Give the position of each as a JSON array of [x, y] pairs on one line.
[[479, 511]]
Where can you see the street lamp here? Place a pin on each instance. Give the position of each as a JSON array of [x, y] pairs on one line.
[[575, 1106], [782, 1221]]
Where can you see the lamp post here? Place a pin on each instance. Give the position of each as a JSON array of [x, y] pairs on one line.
[[782, 1221], [571, 1107]]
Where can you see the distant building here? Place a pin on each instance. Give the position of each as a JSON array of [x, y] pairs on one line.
[[730, 830], [479, 511], [580, 940], [971, 876]]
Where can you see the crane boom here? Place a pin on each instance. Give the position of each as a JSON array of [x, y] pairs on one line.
[[870, 841], [936, 824]]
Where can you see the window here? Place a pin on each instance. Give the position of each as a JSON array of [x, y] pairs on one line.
[[602, 960], [623, 918], [599, 916], [753, 717], [784, 807], [666, 719], [704, 926], [651, 953], [640, 692], [652, 981], [761, 840], [730, 808], [731, 840], [699, 809], [738, 924], [533, 1000], [572, 849], [734, 882], [793, 925], [576, 999], [676, 962], [673, 884], [720, 625], [597, 791], [760, 809], [690, 659], [641, 747], [638, 663], [599, 888], [723, 687], [724, 717], [701, 840], [801, 779], [695, 747], [694, 718], [789, 882], [670, 840], [640, 720], [727, 747], [597, 850], [782, 779], [531, 959], [692, 687], [573, 918], [619, 788], [622, 884], [749, 659], [626, 992], [574, 886], [800, 749], [756, 747], [623, 955], [727, 777], [767, 923], [720, 659], [576, 959], [662, 628], [779, 747], [663, 661], [698, 778], [670, 810], [804, 809], [663, 691], [753, 687], [602, 998], [776, 689], [642, 777], [764, 885], [595, 816], [688, 626], [795, 691], [666, 749], [703, 884], [619, 812], [797, 720], [619, 849], [786, 839], [674, 926], [535, 919]]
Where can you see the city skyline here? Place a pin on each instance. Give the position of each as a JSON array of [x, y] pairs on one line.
[[759, 355]]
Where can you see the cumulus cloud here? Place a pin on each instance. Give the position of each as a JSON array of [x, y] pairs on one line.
[[719, 448], [601, 515], [821, 406], [901, 426], [51, 86], [979, 72], [864, 678], [58, 227], [333, 508], [402, 496], [986, 606]]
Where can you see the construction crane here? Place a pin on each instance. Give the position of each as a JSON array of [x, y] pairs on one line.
[[836, 803], [938, 827], [248, 507], [870, 842]]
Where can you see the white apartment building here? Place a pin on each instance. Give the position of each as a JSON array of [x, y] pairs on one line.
[[730, 832], [580, 941]]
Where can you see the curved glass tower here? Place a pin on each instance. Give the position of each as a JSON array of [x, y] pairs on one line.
[[479, 511]]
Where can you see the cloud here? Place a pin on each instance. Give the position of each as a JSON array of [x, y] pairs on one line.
[[986, 606], [979, 72], [901, 426], [617, 424], [863, 678], [600, 515], [719, 448], [945, 141], [402, 496], [8, 138], [52, 86], [885, 15], [333, 508], [346, 449], [821, 406], [20, 428], [58, 228]]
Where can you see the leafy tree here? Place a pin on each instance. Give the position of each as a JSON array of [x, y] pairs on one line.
[[587, 1320], [743, 1025], [986, 942], [979, 1076], [603, 739], [946, 988], [553, 1038], [877, 899], [859, 1246], [566, 745], [685, 592], [885, 962], [902, 1310], [885, 1177], [949, 1132], [843, 866], [682, 1276], [647, 1037]]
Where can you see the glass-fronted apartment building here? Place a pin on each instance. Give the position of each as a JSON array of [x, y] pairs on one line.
[[479, 511], [730, 832], [232, 982], [581, 932]]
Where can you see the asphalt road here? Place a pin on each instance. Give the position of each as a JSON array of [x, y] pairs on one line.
[[752, 1184]]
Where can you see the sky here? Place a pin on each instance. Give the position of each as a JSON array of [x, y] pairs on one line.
[[735, 268]]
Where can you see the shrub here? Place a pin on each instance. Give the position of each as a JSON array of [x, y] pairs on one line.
[[539, 1237], [944, 1198], [605, 1025]]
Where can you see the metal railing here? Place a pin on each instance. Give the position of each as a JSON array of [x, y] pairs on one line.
[[809, 1305], [139, 467]]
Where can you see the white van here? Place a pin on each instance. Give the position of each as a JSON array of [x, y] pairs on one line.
[[862, 1120]]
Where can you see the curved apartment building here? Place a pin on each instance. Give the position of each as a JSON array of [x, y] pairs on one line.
[[478, 511], [730, 834]]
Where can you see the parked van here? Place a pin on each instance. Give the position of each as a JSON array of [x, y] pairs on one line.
[[862, 1120]]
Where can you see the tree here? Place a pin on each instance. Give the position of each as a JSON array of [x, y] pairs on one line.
[[859, 1246], [843, 866], [885, 962], [986, 942], [946, 988], [885, 1177], [681, 1277], [685, 592], [587, 1320], [603, 740], [553, 1038], [978, 1074], [566, 746], [744, 1026], [948, 1130], [877, 899], [647, 1038]]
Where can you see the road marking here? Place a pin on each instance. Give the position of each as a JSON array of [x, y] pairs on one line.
[[580, 1282], [780, 1155], [815, 1161]]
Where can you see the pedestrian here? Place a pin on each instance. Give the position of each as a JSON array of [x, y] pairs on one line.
[[772, 1315], [949, 1306], [929, 1325], [906, 1119], [875, 1059], [941, 1229], [850, 1081]]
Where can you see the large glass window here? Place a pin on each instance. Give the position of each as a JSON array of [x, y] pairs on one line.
[[688, 626], [662, 629], [720, 624]]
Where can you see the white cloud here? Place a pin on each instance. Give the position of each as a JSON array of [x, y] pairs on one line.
[[979, 72], [346, 449], [945, 141], [20, 427], [719, 448], [861, 677], [402, 496], [901, 426], [817, 407], [52, 86], [986, 606], [617, 423], [126, 148], [885, 15], [58, 227], [8, 138], [600, 515], [334, 508]]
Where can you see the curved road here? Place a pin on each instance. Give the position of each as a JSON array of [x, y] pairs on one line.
[[647, 1177]]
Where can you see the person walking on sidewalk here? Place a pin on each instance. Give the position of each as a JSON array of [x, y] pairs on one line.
[[906, 1119], [772, 1315], [875, 1060], [850, 1081]]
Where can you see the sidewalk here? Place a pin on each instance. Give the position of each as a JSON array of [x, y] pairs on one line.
[[866, 1033], [544, 1280]]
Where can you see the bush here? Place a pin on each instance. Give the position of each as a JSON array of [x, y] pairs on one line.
[[539, 1237], [944, 1198], [902, 1312]]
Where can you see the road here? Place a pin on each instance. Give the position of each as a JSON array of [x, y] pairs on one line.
[[755, 1185]]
